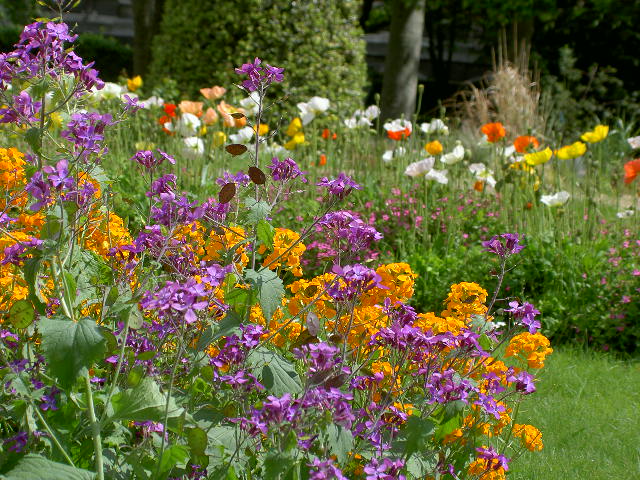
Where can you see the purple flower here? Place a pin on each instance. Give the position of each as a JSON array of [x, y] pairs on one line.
[[177, 300], [339, 187], [386, 469], [241, 179], [49, 400], [59, 177], [259, 77], [356, 279], [131, 104], [9, 338], [489, 405], [147, 159], [523, 380], [526, 314], [86, 132], [324, 470], [17, 442], [322, 356], [286, 169], [495, 460], [24, 110], [510, 245], [346, 226], [13, 253], [447, 387], [39, 189]]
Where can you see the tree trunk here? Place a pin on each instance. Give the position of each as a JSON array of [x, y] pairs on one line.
[[400, 81], [147, 15]]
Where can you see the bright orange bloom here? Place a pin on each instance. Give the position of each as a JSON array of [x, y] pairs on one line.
[[524, 142], [170, 109], [493, 131], [326, 134], [398, 134], [631, 170], [478, 186], [323, 160]]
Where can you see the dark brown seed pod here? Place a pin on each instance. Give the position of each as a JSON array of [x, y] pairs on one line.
[[227, 193], [257, 176], [237, 115], [236, 149], [311, 290]]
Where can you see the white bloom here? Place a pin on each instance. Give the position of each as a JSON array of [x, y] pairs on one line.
[[364, 122], [351, 122], [634, 142], [153, 102], [477, 168], [625, 213], [371, 112], [398, 125], [388, 155], [188, 124], [435, 126], [556, 199], [439, 176], [483, 173], [315, 106], [193, 147], [454, 156], [109, 91], [416, 169], [244, 135], [274, 149], [250, 104]]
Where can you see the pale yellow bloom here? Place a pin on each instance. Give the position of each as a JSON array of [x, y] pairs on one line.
[[574, 150], [219, 139], [538, 158]]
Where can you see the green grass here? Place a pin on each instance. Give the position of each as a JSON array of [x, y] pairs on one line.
[[588, 408]]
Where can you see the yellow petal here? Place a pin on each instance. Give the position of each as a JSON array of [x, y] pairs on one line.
[[538, 158]]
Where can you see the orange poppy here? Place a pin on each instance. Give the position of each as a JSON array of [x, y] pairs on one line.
[[493, 131], [398, 134], [524, 142], [478, 186], [170, 109], [631, 170], [326, 134], [323, 160]]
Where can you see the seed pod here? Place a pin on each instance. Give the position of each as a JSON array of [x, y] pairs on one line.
[[257, 176], [236, 149], [227, 193], [237, 115]]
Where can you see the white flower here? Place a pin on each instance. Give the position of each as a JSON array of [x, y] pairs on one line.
[[250, 104], [416, 169], [625, 213], [315, 106], [556, 199], [482, 173], [109, 91], [351, 122], [371, 112], [188, 124], [244, 135], [634, 142], [388, 155], [398, 125], [153, 102], [435, 126], [274, 149], [439, 176], [193, 147], [454, 156]]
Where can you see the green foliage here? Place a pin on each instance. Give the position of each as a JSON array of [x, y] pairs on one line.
[[143, 402], [275, 372], [318, 43], [111, 56], [268, 287], [33, 466]]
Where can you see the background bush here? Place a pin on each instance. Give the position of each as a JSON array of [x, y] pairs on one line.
[[318, 43]]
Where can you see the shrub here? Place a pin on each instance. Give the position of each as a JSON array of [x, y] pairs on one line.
[[318, 43], [111, 56]]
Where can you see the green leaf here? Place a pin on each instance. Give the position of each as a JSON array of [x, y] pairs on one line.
[[33, 466], [276, 465], [258, 211], [32, 137], [269, 287], [340, 441], [21, 314], [265, 233], [417, 432], [276, 373], [172, 456], [70, 348], [197, 440], [141, 403], [226, 436]]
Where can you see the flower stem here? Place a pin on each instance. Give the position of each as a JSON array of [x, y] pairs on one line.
[[95, 430]]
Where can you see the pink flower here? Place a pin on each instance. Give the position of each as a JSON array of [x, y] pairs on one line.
[[626, 299]]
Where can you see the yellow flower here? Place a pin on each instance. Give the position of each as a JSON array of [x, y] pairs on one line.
[[264, 129], [55, 120], [433, 148], [571, 151], [532, 348], [596, 135], [297, 139], [219, 139], [134, 83], [538, 158], [294, 127], [531, 437]]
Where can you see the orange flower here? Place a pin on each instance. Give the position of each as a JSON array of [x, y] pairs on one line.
[[323, 160], [213, 93], [194, 108], [493, 131], [225, 112], [478, 186], [398, 134], [210, 117], [433, 148], [326, 134], [631, 170], [170, 109], [524, 142]]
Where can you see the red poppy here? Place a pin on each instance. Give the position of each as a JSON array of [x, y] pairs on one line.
[[523, 142], [323, 160], [398, 134], [631, 170], [170, 109], [493, 131]]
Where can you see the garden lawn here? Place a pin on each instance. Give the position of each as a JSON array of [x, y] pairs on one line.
[[588, 408]]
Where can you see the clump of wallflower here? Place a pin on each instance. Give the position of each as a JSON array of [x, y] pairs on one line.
[[286, 252], [465, 299], [224, 240], [531, 348]]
